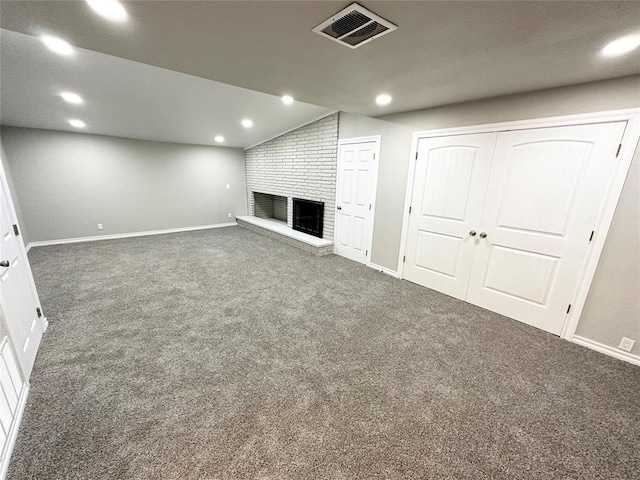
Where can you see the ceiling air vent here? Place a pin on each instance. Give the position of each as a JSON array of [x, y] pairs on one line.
[[354, 26]]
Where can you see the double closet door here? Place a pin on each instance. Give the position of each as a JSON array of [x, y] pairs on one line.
[[504, 220]]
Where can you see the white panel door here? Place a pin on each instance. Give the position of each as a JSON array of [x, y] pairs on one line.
[[356, 184], [18, 298], [450, 180], [543, 199], [12, 398]]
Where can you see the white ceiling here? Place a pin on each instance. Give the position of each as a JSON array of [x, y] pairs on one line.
[[442, 52], [134, 100]]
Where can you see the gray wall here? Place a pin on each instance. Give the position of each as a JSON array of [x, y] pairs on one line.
[[612, 308], [588, 97], [67, 183], [393, 166]]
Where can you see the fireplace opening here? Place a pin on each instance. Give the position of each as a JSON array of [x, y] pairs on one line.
[[308, 216], [270, 206]]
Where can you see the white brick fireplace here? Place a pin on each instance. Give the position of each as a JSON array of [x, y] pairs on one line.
[[299, 164]]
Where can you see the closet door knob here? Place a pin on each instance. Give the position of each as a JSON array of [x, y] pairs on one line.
[[5, 263], [472, 233], [483, 235]]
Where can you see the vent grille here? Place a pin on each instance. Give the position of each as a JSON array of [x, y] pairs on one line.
[[344, 25], [354, 26], [365, 33]]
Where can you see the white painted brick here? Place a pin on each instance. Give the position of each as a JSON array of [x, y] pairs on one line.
[[301, 163]]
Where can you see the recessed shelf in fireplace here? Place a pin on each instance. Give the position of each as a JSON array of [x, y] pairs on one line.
[[270, 206], [308, 216]]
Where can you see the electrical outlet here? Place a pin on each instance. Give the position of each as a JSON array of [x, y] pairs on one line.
[[100, 227], [228, 186], [626, 344], [229, 215]]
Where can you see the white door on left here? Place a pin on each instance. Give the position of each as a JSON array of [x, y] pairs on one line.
[[13, 393], [18, 298], [357, 174]]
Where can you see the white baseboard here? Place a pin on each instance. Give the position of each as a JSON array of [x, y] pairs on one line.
[[62, 241], [607, 350], [13, 432], [384, 270]]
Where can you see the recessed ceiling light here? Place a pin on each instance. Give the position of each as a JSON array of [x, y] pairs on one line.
[[621, 46], [77, 123], [246, 123], [71, 98], [109, 9], [219, 138], [57, 45], [383, 99], [287, 99]]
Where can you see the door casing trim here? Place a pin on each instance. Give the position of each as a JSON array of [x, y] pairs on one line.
[[43, 322]]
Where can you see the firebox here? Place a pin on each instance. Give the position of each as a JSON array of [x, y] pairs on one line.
[[308, 216]]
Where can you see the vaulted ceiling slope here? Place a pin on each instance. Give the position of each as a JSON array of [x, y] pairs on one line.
[[442, 52], [133, 100]]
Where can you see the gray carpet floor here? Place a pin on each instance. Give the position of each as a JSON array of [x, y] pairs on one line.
[[224, 354]]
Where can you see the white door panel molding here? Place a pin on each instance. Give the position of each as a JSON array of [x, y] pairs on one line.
[[355, 197], [550, 198]]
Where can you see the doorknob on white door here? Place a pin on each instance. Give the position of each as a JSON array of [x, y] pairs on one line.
[[483, 235], [5, 263], [472, 233], [339, 208]]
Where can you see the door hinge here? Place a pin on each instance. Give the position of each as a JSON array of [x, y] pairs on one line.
[[618, 152], [374, 156], [16, 232], [366, 253], [404, 259], [568, 308], [591, 236], [39, 312], [416, 155], [369, 206], [409, 209]]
